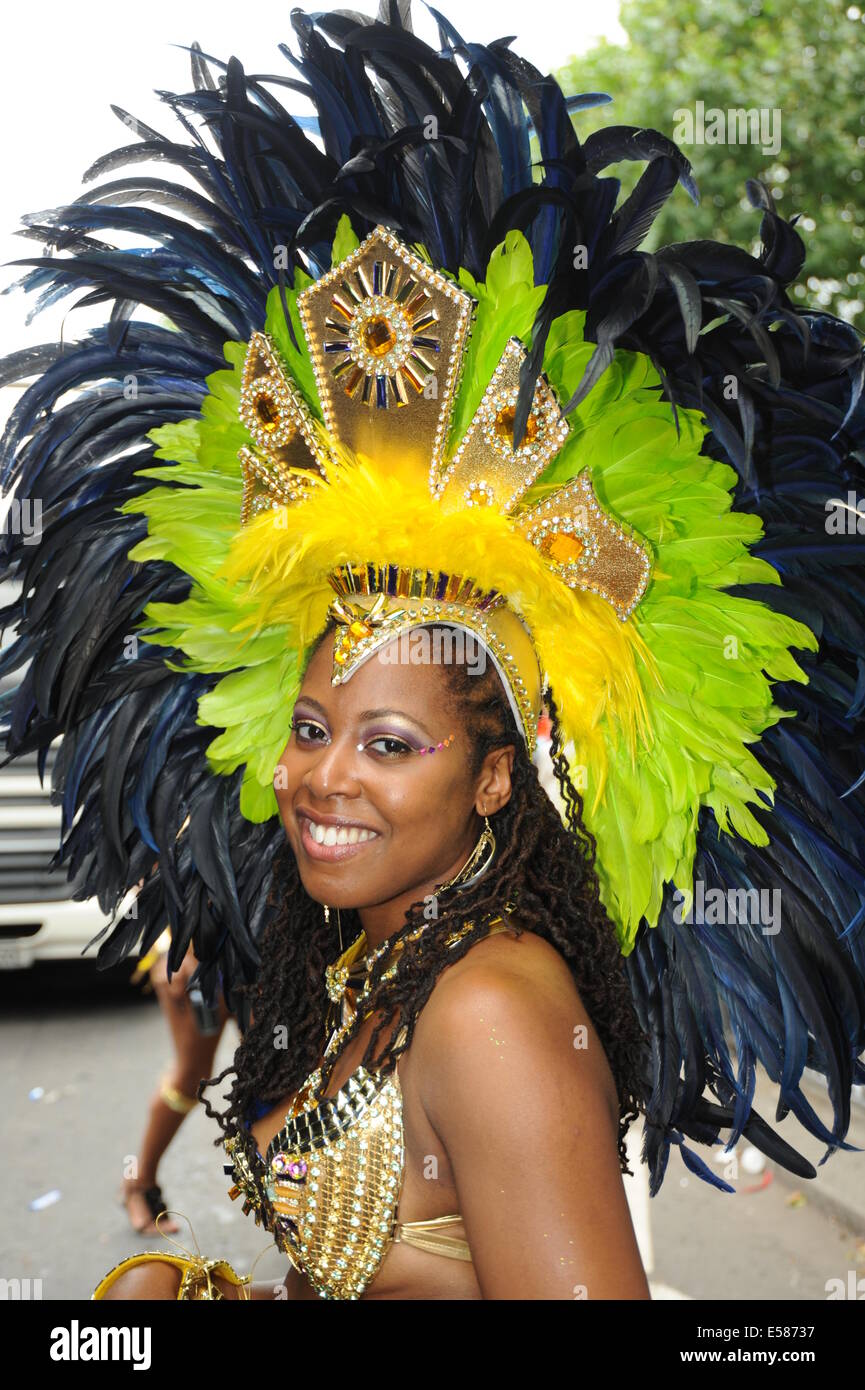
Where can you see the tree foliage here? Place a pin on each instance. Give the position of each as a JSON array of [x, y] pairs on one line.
[[805, 61]]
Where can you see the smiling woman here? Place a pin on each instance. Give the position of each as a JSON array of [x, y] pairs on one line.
[[481, 984], [483, 1012], [491, 1014], [467, 452]]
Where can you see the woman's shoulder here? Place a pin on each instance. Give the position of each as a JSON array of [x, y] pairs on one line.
[[512, 994], [510, 953], [515, 970]]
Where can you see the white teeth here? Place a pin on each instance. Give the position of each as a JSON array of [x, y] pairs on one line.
[[343, 835]]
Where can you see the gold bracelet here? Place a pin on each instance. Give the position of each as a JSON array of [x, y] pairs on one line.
[[196, 1283]]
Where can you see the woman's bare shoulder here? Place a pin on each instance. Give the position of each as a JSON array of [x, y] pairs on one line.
[[518, 955], [511, 990]]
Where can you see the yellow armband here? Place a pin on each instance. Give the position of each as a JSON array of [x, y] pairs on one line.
[[197, 1281]]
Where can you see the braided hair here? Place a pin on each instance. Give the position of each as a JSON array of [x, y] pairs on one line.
[[544, 865]]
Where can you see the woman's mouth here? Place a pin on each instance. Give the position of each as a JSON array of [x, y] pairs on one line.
[[333, 842]]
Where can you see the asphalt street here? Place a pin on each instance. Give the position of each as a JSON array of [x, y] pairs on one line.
[[81, 1056]]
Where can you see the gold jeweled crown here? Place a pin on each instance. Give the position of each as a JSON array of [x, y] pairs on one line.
[[387, 335]]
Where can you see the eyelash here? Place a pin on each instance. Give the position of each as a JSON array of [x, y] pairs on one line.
[[402, 748]]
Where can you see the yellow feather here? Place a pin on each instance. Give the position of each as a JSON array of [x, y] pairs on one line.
[[589, 657]]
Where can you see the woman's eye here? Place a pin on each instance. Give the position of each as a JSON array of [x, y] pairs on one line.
[[300, 724], [394, 747], [385, 745]]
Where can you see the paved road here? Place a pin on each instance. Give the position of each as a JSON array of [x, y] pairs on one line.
[[97, 1049]]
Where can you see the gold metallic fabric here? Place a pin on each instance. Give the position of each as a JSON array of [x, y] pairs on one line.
[[332, 1181]]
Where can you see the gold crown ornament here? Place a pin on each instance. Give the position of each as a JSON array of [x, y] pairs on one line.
[[387, 336], [354, 465]]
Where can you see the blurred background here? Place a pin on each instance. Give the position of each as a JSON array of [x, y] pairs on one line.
[[82, 1052]]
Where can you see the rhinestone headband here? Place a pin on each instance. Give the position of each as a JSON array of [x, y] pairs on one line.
[[371, 616]]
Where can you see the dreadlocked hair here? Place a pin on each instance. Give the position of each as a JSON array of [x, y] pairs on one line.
[[542, 865]]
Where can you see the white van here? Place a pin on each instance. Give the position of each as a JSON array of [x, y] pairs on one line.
[[39, 921]]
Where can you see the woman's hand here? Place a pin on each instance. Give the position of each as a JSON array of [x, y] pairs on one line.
[[516, 1084]]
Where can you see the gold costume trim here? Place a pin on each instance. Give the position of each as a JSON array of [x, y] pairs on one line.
[[329, 1186], [427, 1235], [197, 1282], [380, 326]]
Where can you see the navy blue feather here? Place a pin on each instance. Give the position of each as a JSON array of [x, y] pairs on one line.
[[247, 176]]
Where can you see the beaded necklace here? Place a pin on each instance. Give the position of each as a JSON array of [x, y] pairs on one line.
[[350, 975]]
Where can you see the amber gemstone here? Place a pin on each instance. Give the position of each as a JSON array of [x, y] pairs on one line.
[[504, 425], [267, 412], [378, 336], [562, 547], [358, 629]]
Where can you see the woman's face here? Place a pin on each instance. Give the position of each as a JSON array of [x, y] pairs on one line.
[[406, 821]]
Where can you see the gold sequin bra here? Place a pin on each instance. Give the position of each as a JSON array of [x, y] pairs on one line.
[[331, 1181]]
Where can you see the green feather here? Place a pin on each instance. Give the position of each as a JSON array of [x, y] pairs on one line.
[[715, 654], [298, 363], [344, 242], [507, 303]]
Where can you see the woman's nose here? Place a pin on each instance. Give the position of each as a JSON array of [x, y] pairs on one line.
[[333, 769]]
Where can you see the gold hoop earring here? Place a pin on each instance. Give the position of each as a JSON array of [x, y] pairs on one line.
[[486, 845]]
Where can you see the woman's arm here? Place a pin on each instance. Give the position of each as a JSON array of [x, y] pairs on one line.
[[529, 1122], [157, 1280]]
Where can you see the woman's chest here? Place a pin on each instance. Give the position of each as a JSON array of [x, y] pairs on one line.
[[346, 1068], [341, 1178]]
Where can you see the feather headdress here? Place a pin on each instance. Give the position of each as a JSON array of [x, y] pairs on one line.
[[610, 517]]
